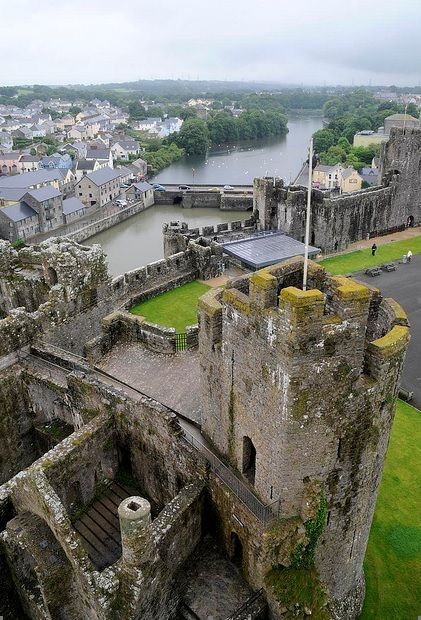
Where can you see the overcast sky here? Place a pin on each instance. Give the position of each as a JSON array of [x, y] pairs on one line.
[[294, 41]]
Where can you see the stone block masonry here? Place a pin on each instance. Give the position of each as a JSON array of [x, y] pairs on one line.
[[105, 223], [337, 221], [300, 402]]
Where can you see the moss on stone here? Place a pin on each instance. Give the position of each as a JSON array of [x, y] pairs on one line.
[[401, 318], [237, 299], [300, 405], [299, 591], [332, 319], [303, 554], [263, 279], [209, 302], [393, 342], [231, 414], [342, 371], [298, 298], [350, 289]]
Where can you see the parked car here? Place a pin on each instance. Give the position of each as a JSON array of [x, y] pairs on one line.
[[184, 187], [158, 188], [121, 203], [228, 187], [214, 189]]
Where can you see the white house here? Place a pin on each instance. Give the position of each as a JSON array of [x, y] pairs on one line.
[[125, 148]]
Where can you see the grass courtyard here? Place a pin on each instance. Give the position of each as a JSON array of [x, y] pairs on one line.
[[393, 559], [176, 308], [362, 259]]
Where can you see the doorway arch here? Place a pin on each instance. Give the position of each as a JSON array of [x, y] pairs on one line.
[[236, 550], [249, 459], [52, 276]]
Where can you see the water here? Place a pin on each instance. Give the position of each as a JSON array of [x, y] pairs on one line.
[[138, 240], [281, 157]]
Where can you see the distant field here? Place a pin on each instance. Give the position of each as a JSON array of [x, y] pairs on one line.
[[25, 91], [176, 308], [393, 559], [362, 259]]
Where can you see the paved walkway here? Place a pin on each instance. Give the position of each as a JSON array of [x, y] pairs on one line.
[[230, 272], [408, 233], [171, 379]]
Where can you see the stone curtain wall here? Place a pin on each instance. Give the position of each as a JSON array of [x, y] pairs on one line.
[[296, 377], [177, 234], [65, 289], [73, 279], [337, 221]]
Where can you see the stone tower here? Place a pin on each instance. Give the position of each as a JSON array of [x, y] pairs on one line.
[[401, 157], [298, 393]]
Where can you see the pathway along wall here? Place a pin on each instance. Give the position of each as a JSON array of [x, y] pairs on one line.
[[337, 221]]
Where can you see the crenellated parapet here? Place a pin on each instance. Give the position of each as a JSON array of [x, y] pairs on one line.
[[299, 387]]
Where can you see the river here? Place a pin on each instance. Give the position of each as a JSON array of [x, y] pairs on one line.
[[138, 240], [237, 165]]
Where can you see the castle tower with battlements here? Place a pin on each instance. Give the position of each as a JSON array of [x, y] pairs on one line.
[[298, 395]]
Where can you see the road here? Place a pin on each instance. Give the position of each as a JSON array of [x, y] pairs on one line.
[[207, 188], [404, 285]]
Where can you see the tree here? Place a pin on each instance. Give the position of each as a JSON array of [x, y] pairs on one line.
[[323, 139], [136, 111], [344, 144], [193, 137], [187, 113], [333, 156], [222, 128]]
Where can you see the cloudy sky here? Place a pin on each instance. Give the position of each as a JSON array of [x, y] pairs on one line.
[[294, 41]]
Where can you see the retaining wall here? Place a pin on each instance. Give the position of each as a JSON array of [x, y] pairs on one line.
[[107, 222]]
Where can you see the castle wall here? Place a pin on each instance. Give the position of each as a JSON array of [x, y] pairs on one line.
[[290, 375], [19, 447], [35, 506], [337, 221]]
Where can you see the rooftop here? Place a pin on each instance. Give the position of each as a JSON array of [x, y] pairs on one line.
[[263, 249], [104, 175], [143, 186], [18, 212], [71, 205], [27, 179], [44, 193]]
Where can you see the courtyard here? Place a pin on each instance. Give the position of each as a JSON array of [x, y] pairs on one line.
[[176, 308]]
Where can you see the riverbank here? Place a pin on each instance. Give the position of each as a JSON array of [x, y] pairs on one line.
[[240, 163]]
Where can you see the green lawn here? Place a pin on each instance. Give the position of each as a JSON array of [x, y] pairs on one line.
[[393, 560], [361, 259], [176, 308]]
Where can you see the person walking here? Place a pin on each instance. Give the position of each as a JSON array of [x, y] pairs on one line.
[[373, 249], [409, 256]]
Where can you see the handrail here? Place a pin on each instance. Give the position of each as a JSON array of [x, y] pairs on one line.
[[239, 613], [265, 513]]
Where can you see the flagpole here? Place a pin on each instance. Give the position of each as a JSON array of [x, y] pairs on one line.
[[307, 234]]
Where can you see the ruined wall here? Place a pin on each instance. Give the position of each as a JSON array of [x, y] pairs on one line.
[[18, 447], [54, 575], [71, 280], [292, 375]]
